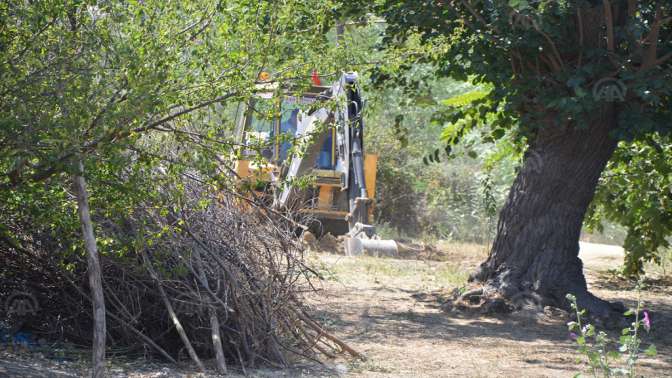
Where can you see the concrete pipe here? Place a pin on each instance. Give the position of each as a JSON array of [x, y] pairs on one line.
[[371, 247]]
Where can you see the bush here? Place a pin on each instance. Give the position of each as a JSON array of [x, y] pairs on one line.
[[212, 261]]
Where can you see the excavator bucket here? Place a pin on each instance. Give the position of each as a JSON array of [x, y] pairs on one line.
[[362, 240]]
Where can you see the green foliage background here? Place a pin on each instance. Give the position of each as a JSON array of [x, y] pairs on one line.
[[136, 89], [489, 44], [457, 195]]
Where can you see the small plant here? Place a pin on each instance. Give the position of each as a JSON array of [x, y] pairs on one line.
[[594, 344]]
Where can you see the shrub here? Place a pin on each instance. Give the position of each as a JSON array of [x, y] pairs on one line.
[[595, 345]]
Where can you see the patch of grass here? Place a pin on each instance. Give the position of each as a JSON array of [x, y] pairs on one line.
[[392, 272], [467, 251], [452, 275], [326, 272], [358, 366], [664, 269]]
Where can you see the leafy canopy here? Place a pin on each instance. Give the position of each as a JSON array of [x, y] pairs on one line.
[[139, 90], [550, 63]]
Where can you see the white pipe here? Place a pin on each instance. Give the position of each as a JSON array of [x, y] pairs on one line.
[[371, 247]]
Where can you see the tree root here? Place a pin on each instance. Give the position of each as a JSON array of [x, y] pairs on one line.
[[488, 300], [603, 314], [477, 301]]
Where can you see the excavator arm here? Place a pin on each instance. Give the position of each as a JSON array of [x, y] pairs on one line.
[[330, 145]]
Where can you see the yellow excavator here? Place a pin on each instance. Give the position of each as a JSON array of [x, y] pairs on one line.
[[318, 133]]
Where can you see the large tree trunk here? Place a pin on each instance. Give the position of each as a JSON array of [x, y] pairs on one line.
[[535, 252]]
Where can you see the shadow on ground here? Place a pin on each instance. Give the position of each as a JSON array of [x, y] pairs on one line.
[[409, 321]]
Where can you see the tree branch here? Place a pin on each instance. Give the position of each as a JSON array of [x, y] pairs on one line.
[[609, 21], [48, 169], [579, 17], [649, 58], [173, 316], [632, 8], [663, 59]]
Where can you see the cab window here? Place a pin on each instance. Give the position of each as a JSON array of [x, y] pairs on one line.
[[288, 125], [260, 126]]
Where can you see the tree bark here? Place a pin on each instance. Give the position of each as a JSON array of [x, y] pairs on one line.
[[535, 251], [95, 273]]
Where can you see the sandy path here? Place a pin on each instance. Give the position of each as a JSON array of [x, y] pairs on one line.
[[600, 256]]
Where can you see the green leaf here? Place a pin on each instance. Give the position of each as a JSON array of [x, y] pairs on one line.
[[613, 354], [465, 98], [498, 133], [651, 351], [451, 132], [590, 330], [519, 4]]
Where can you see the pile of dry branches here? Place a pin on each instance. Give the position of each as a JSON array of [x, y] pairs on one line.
[[215, 277]]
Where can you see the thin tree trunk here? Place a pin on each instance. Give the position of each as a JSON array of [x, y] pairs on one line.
[[214, 320], [173, 316], [535, 253], [95, 273], [340, 32]]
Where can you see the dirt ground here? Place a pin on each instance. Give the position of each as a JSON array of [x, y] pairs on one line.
[[388, 309]]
